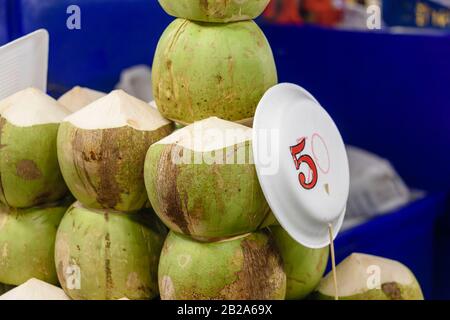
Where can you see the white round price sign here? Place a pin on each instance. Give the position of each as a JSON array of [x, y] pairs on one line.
[[302, 164]]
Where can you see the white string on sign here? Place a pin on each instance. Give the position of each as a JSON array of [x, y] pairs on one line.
[[333, 262]]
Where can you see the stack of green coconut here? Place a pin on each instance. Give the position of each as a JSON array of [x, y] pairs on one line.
[[214, 61], [32, 190], [202, 183], [115, 152], [109, 241]]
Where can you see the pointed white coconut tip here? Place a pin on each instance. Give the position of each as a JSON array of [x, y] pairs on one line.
[[355, 272], [118, 109], [32, 107], [79, 97], [209, 135], [35, 289], [153, 104]]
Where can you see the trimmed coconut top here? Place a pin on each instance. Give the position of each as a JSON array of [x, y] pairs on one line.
[[79, 97], [35, 289], [32, 107], [118, 109], [355, 275], [208, 135]]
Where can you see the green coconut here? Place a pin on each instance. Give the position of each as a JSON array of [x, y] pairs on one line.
[[202, 70], [366, 277], [29, 170], [108, 255], [78, 97], [215, 10], [202, 182], [102, 148], [248, 267], [27, 242], [304, 267]]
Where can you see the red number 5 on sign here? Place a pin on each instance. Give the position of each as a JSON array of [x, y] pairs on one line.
[[299, 158]]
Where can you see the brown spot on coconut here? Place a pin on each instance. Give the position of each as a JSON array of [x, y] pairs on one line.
[[102, 148], [92, 263], [223, 11], [27, 241], [35, 289], [78, 97], [367, 277], [242, 268], [29, 170], [201, 181], [186, 88]]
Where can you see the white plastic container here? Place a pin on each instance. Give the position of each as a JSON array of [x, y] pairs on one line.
[[24, 63]]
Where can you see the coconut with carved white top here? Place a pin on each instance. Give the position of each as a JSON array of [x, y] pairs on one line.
[[35, 289], [29, 170], [367, 277], [78, 97], [202, 182], [102, 148]]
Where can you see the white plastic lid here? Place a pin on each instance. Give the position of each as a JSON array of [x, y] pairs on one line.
[[24, 63], [301, 163]]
